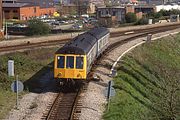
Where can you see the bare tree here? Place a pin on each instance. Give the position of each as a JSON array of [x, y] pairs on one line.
[[168, 105]]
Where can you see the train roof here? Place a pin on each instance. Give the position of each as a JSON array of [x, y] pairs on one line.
[[83, 43], [99, 32]]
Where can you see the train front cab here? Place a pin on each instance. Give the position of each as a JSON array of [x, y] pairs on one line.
[[70, 66]]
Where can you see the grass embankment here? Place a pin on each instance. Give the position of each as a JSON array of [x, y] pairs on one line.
[[27, 64], [147, 85]]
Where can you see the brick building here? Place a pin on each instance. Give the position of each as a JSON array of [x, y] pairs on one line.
[[68, 9], [140, 10], [115, 11], [71, 9], [24, 11], [110, 16]]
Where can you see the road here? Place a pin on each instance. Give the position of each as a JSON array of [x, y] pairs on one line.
[[63, 27]]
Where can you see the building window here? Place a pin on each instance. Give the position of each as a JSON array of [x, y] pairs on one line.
[[107, 12], [6, 11], [114, 13], [34, 9], [15, 11], [15, 17]]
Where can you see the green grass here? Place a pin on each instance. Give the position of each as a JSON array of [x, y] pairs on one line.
[[147, 84], [27, 64]]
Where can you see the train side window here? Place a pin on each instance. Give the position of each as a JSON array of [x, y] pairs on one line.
[[60, 61], [70, 62], [79, 62]]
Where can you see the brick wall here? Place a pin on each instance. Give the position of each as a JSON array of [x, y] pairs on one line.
[[69, 10], [130, 9], [25, 13], [11, 13], [28, 12]]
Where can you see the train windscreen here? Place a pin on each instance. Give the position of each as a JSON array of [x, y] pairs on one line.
[[60, 61], [70, 62], [79, 62]]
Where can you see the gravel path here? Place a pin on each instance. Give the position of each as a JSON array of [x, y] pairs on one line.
[[33, 105]]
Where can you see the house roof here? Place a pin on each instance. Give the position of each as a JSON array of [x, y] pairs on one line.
[[17, 5], [101, 7], [134, 1]]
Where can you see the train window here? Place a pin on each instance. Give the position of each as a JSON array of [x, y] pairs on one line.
[[79, 62], [70, 62], [60, 61]]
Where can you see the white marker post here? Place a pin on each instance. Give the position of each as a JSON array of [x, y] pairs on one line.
[[11, 68]]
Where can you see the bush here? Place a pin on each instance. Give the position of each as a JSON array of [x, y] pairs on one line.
[[130, 17], [37, 27], [142, 21]]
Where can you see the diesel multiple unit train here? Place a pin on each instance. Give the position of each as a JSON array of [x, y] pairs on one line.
[[74, 60]]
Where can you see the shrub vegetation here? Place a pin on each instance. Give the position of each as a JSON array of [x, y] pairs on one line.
[[147, 85], [142, 21], [27, 64], [37, 27], [130, 17]]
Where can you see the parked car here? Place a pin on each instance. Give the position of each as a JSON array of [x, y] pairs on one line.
[[77, 26]]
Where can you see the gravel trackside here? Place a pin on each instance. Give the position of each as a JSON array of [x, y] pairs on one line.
[[37, 39], [32, 106]]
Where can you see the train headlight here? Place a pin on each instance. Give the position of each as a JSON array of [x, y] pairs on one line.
[[59, 74], [79, 76]]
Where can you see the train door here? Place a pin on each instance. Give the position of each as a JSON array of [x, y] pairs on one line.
[[69, 70]]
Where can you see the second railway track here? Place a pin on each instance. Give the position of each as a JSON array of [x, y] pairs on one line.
[[29, 45]]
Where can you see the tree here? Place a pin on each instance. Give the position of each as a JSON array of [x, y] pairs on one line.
[[37, 27], [175, 11], [130, 17]]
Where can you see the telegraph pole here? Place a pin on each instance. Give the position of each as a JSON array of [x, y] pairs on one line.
[[78, 8], [1, 15]]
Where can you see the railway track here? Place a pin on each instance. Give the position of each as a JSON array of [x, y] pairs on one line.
[[136, 31], [63, 106], [112, 46], [67, 105], [29, 45]]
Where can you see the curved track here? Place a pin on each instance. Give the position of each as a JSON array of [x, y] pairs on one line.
[[139, 34], [63, 41]]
